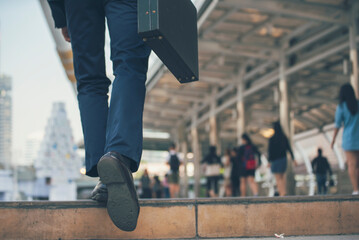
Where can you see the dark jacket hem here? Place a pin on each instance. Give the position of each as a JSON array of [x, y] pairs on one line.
[[58, 12]]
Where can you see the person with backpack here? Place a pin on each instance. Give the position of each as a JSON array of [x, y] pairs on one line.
[[320, 167], [248, 154], [173, 177], [212, 171]]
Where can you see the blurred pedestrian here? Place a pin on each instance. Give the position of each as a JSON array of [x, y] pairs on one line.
[[249, 160], [347, 115], [277, 156], [157, 187], [146, 185], [226, 162], [235, 173], [320, 167], [212, 171], [165, 185], [173, 177]]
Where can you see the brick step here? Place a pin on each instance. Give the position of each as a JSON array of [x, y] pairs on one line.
[[184, 219]]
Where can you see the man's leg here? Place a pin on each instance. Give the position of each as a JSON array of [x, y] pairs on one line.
[[318, 186], [325, 189], [86, 25], [129, 55], [124, 126]]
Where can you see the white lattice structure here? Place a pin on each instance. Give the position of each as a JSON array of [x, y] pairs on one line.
[[57, 157]]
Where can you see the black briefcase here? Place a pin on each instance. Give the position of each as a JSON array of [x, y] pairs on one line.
[[169, 27]]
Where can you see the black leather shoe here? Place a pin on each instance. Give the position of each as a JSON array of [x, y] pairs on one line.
[[99, 193], [122, 203]]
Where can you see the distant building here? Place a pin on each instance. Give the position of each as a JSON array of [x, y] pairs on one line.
[[32, 146], [6, 185], [5, 121]]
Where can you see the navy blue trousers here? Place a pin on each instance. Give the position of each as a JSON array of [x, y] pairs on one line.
[[117, 127], [321, 180]]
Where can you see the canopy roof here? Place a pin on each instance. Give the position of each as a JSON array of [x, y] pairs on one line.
[[246, 40]]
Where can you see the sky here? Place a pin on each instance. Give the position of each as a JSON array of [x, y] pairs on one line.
[[28, 55]]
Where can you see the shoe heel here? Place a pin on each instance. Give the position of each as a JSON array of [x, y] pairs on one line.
[[109, 170]]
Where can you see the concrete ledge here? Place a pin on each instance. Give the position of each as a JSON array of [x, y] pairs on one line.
[[196, 218]]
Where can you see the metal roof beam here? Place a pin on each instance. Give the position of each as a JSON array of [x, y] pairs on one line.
[[306, 121], [288, 9], [219, 21], [324, 113], [211, 61], [256, 28], [299, 124], [229, 88], [320, 115], [219, 81], [314, 100], [258, 69], [264, 83], [217, 48], [157, 121], [298, 31], [163, 108], [166, 105], [256, 113], [312, 39], [178, 93], [259, 46], [305, 3], [157, 127], [273, 77], [334, 80]]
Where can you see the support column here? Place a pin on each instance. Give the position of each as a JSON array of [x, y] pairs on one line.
[[181, 143], [197, 154], [213, 128], [285, 120], [241, 122], [184, 150], [241, 115], [284, 104], [175, 136], [354, 79]]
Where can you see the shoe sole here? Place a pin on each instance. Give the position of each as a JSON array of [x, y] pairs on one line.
[[121, 207], [100, 197]]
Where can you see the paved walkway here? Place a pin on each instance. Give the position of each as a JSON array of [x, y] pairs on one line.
[[336, 237]]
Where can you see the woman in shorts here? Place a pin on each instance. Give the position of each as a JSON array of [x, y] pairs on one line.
[[347, 115], [277, 156]]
